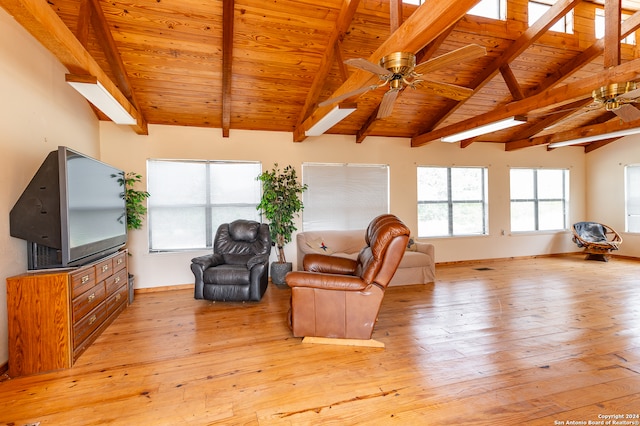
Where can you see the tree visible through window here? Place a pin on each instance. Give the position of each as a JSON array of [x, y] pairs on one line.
[[452, 201], [539, 199], [192, 198]]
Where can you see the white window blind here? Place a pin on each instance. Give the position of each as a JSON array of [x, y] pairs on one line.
[[343, 196], [190, 199]]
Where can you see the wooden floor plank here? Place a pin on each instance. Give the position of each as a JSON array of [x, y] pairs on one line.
[[525, 341]]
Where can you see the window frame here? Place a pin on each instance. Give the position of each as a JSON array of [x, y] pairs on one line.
[[208, 205], [450, 202], [537, 200]]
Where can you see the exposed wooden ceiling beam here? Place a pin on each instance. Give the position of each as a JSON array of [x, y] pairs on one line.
[[228, 7], [630, 25], [560, 95], [422, 27], [612, 19], [84, 19], [39, 19], [395, 14], [103, 34], [586, 131], [533, 33], [347, 12]]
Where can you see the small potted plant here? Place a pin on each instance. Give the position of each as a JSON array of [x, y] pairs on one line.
[[280, 204]]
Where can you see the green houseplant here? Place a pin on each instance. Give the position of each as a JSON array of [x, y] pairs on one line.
[[134, 199], [135, 209], [280, 204]]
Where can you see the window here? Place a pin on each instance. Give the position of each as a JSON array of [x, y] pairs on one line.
[[630, 39], [539, 8], [343, 196], [632, 195], [452, 201], [539, 199], [495, 9], [190, 199]]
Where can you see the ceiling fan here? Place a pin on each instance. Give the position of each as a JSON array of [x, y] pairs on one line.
[[399, 70], [616, 97]]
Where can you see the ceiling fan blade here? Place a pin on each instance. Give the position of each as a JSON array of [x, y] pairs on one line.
[[466, 53], [347, 95], [386, 106], [365, 65], [451, 91], [627, 113], [633, 94]]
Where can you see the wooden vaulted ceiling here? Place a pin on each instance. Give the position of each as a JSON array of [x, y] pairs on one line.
[[267, 64]]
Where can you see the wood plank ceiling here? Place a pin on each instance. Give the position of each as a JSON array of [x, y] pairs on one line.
[[266, 65]]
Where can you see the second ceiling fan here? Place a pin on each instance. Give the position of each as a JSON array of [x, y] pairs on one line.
[[399, 70]]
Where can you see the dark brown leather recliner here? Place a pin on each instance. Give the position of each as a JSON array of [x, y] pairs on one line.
[[238, 269], [340, 297]]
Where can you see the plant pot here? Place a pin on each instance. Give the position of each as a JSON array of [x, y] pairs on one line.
[[131, 287], [279, 271]]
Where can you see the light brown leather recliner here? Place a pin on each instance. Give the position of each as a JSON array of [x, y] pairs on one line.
[[340, 297]]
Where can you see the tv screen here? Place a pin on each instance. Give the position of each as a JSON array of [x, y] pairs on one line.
[[72, 212]]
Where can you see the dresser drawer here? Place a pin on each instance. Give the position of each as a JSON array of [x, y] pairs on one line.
[[119, 261], [87, 301], [82, 281], [115, 281], [104, 269], [83, 328], [117, 299]]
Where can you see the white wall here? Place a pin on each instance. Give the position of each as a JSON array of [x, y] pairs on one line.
[[605, 188], [123, 148], [38, 112]]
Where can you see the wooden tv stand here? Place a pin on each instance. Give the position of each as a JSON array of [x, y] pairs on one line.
[[55, 315]]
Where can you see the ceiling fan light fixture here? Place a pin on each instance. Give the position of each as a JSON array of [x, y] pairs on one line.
[[506, 123], [337, 114]]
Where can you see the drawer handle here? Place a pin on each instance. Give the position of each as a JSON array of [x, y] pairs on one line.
[[92, 319], [119, 261], [105, 268], [85, 279], [118, 296], [117, 279], [91, 297]]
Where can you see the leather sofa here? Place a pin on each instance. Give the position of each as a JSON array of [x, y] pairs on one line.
[[336, 297], [416, 267]]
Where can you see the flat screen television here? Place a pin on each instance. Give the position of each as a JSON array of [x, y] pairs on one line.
[[72, 212]]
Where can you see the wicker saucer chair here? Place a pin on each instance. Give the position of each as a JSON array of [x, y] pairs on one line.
[[597, 239]]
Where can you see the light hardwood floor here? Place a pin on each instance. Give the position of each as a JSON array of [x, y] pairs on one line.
[[543, 341]]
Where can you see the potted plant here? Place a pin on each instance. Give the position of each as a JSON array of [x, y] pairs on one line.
[[280, 204], [135, 208]]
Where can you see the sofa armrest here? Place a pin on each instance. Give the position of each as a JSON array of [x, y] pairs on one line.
[[426, 248], [207, 261], [325, 281], [329, 264]]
